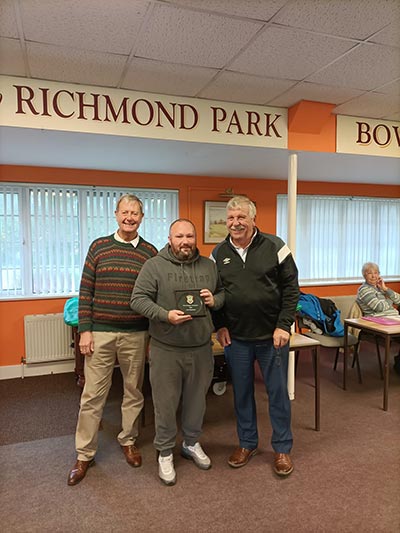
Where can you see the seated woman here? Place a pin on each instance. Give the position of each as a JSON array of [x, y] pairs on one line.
[[373, 296]]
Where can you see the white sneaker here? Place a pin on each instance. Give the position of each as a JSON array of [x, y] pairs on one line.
[[166, 470], [196, 453]]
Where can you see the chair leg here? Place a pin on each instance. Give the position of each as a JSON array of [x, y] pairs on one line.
[[336, 359], [378, 353], [357, 361]]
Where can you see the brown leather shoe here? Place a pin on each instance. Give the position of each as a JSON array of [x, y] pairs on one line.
[[79, 471], [132, 455], [283, 465], [241, 457]]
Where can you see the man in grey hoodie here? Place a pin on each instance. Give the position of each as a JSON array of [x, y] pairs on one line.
[[175, 290]]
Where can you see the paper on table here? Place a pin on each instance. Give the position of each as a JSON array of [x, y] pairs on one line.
[[384, 320]]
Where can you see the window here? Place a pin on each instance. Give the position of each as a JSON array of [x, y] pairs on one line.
[[335, 236], [46, 231]]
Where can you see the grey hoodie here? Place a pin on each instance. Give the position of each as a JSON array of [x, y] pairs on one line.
[[154, 296]]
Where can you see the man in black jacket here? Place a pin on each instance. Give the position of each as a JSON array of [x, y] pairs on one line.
[[261, 293]]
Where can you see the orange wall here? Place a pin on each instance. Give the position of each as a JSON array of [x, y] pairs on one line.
[[312, 127], [193, 191]]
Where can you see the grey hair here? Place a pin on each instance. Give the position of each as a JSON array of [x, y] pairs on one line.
[[240, 201], [369, 266], [129, 197]]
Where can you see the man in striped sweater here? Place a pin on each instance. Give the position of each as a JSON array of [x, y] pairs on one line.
[[110, 331]]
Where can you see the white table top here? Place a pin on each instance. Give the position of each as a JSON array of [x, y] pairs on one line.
[[372, 326], [302, 341]]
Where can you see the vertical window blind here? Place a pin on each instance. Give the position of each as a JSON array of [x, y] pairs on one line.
[[46, 231], [335, 236]]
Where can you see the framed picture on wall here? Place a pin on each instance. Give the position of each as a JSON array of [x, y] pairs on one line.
[[214, 222]]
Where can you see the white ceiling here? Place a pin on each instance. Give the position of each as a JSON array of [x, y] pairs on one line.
[[269, 52]]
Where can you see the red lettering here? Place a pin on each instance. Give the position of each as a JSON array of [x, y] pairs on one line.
[[253, 122], [271, 125], [45, 92], [56, 107], [184, 119], [171, 119], [135, 114], [25, 99], [115, 114], [375, 134], [396, 132], [218, 115], [234, 122], [363, 130], [94, 105]]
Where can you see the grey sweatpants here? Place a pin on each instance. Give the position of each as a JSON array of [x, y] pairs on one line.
[[174, 374]]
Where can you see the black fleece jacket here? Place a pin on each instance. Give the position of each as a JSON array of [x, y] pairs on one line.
[[261, 294]]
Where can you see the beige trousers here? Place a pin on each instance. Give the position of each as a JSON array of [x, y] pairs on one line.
[[129, 349]]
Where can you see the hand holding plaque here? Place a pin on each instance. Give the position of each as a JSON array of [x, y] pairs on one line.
[[190, 302]]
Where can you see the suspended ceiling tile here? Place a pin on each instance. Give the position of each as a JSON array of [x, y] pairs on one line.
[[8, 21], [76, 66], [390, 88], [389, 35], [373, 105], [315, 93], [90, 24], [182, 36], [287, 53], [354, 19], [254, 9], [166, 78], [366, 67], [237, 87], [11, 58]]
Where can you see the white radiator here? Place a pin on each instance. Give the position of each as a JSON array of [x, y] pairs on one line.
[[47, 338]]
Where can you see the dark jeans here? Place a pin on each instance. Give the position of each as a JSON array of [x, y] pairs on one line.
[[273, 364]]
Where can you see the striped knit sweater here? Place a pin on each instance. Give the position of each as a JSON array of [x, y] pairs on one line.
[[108, 278], [374, 302]]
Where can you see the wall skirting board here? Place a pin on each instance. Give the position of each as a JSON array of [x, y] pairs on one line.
[[25, 371]]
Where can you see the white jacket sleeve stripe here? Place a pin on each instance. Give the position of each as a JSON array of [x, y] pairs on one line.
[[283, 253]]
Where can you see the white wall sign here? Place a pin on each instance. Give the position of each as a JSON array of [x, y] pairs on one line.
[[29, 103], [367, 136]]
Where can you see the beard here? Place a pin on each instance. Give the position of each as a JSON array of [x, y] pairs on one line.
[[183, 254]]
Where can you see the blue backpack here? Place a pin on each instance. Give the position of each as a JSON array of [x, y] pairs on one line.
[[71, 312], [328, 320]]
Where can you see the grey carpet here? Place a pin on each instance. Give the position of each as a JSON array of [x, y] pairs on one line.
[[346, 477]]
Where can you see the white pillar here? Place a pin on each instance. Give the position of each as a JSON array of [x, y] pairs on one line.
[[292, 199], [291, 242]]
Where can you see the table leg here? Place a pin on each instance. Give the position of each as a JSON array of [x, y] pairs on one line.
[[345, 350], [386, 374], [291, 375], [315, 353]]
